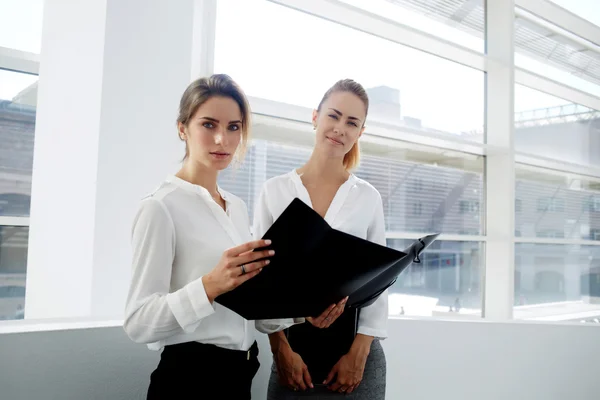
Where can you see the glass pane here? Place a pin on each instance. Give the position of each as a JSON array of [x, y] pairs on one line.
[[21, 24], [557, 282], [587, 9], [446, 282], [458, 21], [555, 128], [408, 89], [421, 192], [13, 268], [548, 50], [18, 97], [551, 204]]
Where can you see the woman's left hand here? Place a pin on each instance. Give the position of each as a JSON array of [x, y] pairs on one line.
[[348, 372]]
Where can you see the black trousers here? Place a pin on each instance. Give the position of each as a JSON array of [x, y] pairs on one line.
[[202, 371]]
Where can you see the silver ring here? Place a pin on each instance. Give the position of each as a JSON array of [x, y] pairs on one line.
[[243, 269]]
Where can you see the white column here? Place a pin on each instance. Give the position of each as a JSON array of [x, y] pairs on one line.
[[111, 76], [500, 166]]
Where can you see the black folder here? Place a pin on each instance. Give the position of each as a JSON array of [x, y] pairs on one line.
[[315, 266]]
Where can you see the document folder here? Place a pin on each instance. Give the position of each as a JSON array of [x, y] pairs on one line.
[[315, 266]]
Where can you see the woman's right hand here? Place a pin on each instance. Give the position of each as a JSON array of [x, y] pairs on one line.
[[236, 266], [291, 369]]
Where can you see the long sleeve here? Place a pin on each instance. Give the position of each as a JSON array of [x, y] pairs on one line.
[[263, 219], [152, 313], [373, 319]]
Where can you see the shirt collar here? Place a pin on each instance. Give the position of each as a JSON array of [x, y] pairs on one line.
[[190, 187]]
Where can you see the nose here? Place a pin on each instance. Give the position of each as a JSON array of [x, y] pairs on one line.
[[221, 137], [338, 129]]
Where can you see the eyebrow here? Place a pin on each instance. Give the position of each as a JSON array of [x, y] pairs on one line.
[[340, 114], [217, 121]]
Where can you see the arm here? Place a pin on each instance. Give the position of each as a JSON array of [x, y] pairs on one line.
[[152, 313]]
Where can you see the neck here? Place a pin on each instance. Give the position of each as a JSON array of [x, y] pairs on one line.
[[323, 168], [198, 174]]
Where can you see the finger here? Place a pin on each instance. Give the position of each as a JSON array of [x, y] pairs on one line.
[[352, 388], [307, 377], [331, 374], [335, 313], [335, 387], [253, 256], [343, 389], [249, 246], [299, 380], [253, 266], [243, 278]]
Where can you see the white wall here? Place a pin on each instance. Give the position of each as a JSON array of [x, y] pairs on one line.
[[427, 359]]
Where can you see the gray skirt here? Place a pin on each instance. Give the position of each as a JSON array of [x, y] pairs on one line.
[[371, 387]]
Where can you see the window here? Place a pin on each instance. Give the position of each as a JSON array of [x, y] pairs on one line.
[[460, 21], [408, 88], [417, 208], [13, 267], [550, 204], [447, 281], [553, 202], [554, 128], [587, 9], [469, 207], [518, 205], [592, 204], [21, 25], [18, 94], [549, 50], [556, 282]]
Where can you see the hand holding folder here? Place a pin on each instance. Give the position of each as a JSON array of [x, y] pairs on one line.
[[315, 266]]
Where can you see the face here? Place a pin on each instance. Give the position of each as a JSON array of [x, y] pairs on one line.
[[339, 123], [213, 133]]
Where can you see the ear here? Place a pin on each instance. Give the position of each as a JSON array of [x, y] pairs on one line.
[[315, 116], [182, 131], [361, 132]]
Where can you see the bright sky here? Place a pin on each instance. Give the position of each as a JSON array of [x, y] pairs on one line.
[[292, 57]]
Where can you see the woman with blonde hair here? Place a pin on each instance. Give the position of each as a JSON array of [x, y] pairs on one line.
[[309, 358]]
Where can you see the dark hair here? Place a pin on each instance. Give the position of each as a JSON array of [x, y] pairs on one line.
[[352, 158], [201, 90]]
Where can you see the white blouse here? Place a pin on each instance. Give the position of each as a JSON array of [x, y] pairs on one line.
[[179, 234], [356, 209]]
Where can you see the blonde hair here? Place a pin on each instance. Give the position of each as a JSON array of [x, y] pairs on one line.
[[352, 158], [203, 89]]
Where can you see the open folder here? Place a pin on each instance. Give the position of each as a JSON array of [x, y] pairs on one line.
[[315, 266]]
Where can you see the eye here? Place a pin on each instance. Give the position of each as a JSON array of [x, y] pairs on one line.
[[208, 125], [234, 127], [333, 116], [353, 124]]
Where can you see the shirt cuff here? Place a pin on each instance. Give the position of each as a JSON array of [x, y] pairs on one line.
[[269, 326], [190, 305], [376, 333]]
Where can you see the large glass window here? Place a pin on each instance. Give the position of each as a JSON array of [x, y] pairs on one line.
[[587, 9], [13, 267], [556, 205], [460, 21], [408, 88], [556, 53], [556, 282], [18, 95], [21, 25], [554, 128]]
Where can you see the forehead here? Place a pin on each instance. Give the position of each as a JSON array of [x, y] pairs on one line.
[[346, 102], [221, 108]]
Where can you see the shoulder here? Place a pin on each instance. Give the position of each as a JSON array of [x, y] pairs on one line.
[[366, 190], [278, 185], [156, 203]]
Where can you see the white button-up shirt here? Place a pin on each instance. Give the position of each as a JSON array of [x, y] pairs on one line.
[[356, 209], [179, 234]]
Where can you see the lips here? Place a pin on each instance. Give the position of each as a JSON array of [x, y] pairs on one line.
[[219, 153], [335, 141]]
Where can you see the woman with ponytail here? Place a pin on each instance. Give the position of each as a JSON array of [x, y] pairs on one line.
[[315, 357]]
